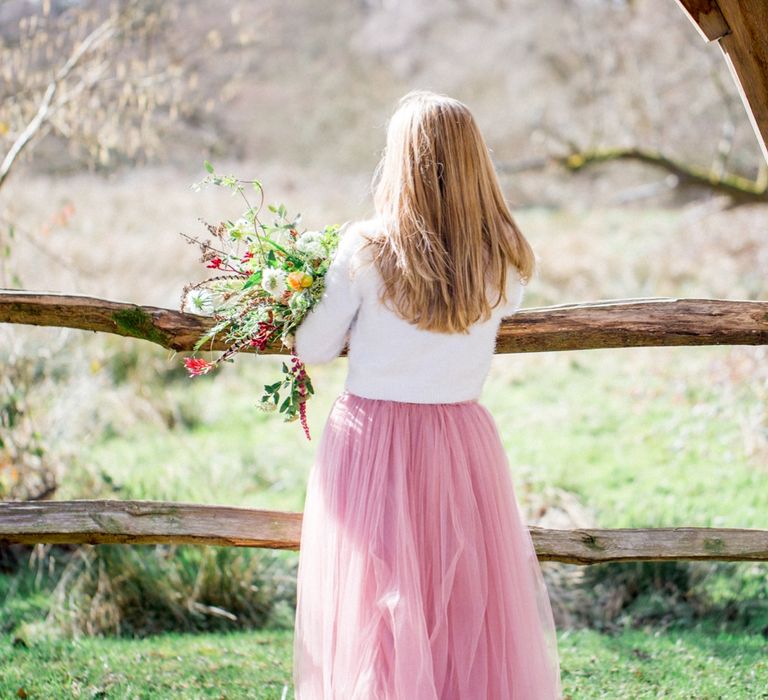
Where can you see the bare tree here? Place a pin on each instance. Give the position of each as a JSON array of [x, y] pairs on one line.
[[97, 74]]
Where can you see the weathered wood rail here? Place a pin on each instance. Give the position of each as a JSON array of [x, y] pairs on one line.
[[156, 522], [609, 323]]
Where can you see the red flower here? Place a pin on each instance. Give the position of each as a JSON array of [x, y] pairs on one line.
[[197, 366], [298, 371], [303, 416], [261, 338], [247, 256], [215, 263]]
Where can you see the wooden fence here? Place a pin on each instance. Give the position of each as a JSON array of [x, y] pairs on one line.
[[155, 522], [615, 323]]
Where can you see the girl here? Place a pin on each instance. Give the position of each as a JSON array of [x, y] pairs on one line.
[[417, 576]]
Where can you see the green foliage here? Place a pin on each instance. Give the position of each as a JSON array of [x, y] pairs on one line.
[[28, 465], [634, 594], [26, 594], [141, 590]]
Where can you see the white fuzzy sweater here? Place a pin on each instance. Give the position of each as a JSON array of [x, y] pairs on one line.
[[388, 357]]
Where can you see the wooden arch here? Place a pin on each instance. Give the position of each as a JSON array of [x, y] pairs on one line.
[[740, 27]]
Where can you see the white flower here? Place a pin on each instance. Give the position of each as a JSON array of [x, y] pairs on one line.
[[311, 244], [273, 281], [199, 301]]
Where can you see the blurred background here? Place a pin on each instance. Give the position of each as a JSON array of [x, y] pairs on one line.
[[631, 166]]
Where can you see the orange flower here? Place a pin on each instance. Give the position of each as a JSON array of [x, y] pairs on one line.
[[299, 280]]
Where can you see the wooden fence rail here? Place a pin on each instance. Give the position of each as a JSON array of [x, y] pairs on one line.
[[612, 323], [155, 522]]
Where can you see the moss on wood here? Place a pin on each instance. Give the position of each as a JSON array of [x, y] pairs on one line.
[[137, 323]]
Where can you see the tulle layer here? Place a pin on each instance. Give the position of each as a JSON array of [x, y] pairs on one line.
[[417, 576]]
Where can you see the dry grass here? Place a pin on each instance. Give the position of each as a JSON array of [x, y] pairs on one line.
[[122, 241]]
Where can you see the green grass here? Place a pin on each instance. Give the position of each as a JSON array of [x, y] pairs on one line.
[[635, 664], [646, 437], [222, 450], [237, 665]]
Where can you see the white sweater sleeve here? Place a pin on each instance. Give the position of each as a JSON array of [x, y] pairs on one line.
[[515, 292], [324, 332]]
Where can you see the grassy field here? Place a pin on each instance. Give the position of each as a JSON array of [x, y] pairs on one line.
[[638, 437], [636, 664], [634, 438]]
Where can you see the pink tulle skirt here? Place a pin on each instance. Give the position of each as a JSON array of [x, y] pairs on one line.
[[417, 576]]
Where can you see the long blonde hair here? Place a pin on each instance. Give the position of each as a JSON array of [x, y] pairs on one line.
[[447, 231]]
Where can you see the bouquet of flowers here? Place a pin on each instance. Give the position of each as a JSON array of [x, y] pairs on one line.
[[267, 277]]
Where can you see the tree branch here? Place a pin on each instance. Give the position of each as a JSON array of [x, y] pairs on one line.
[[103, 32], [738, 188]]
